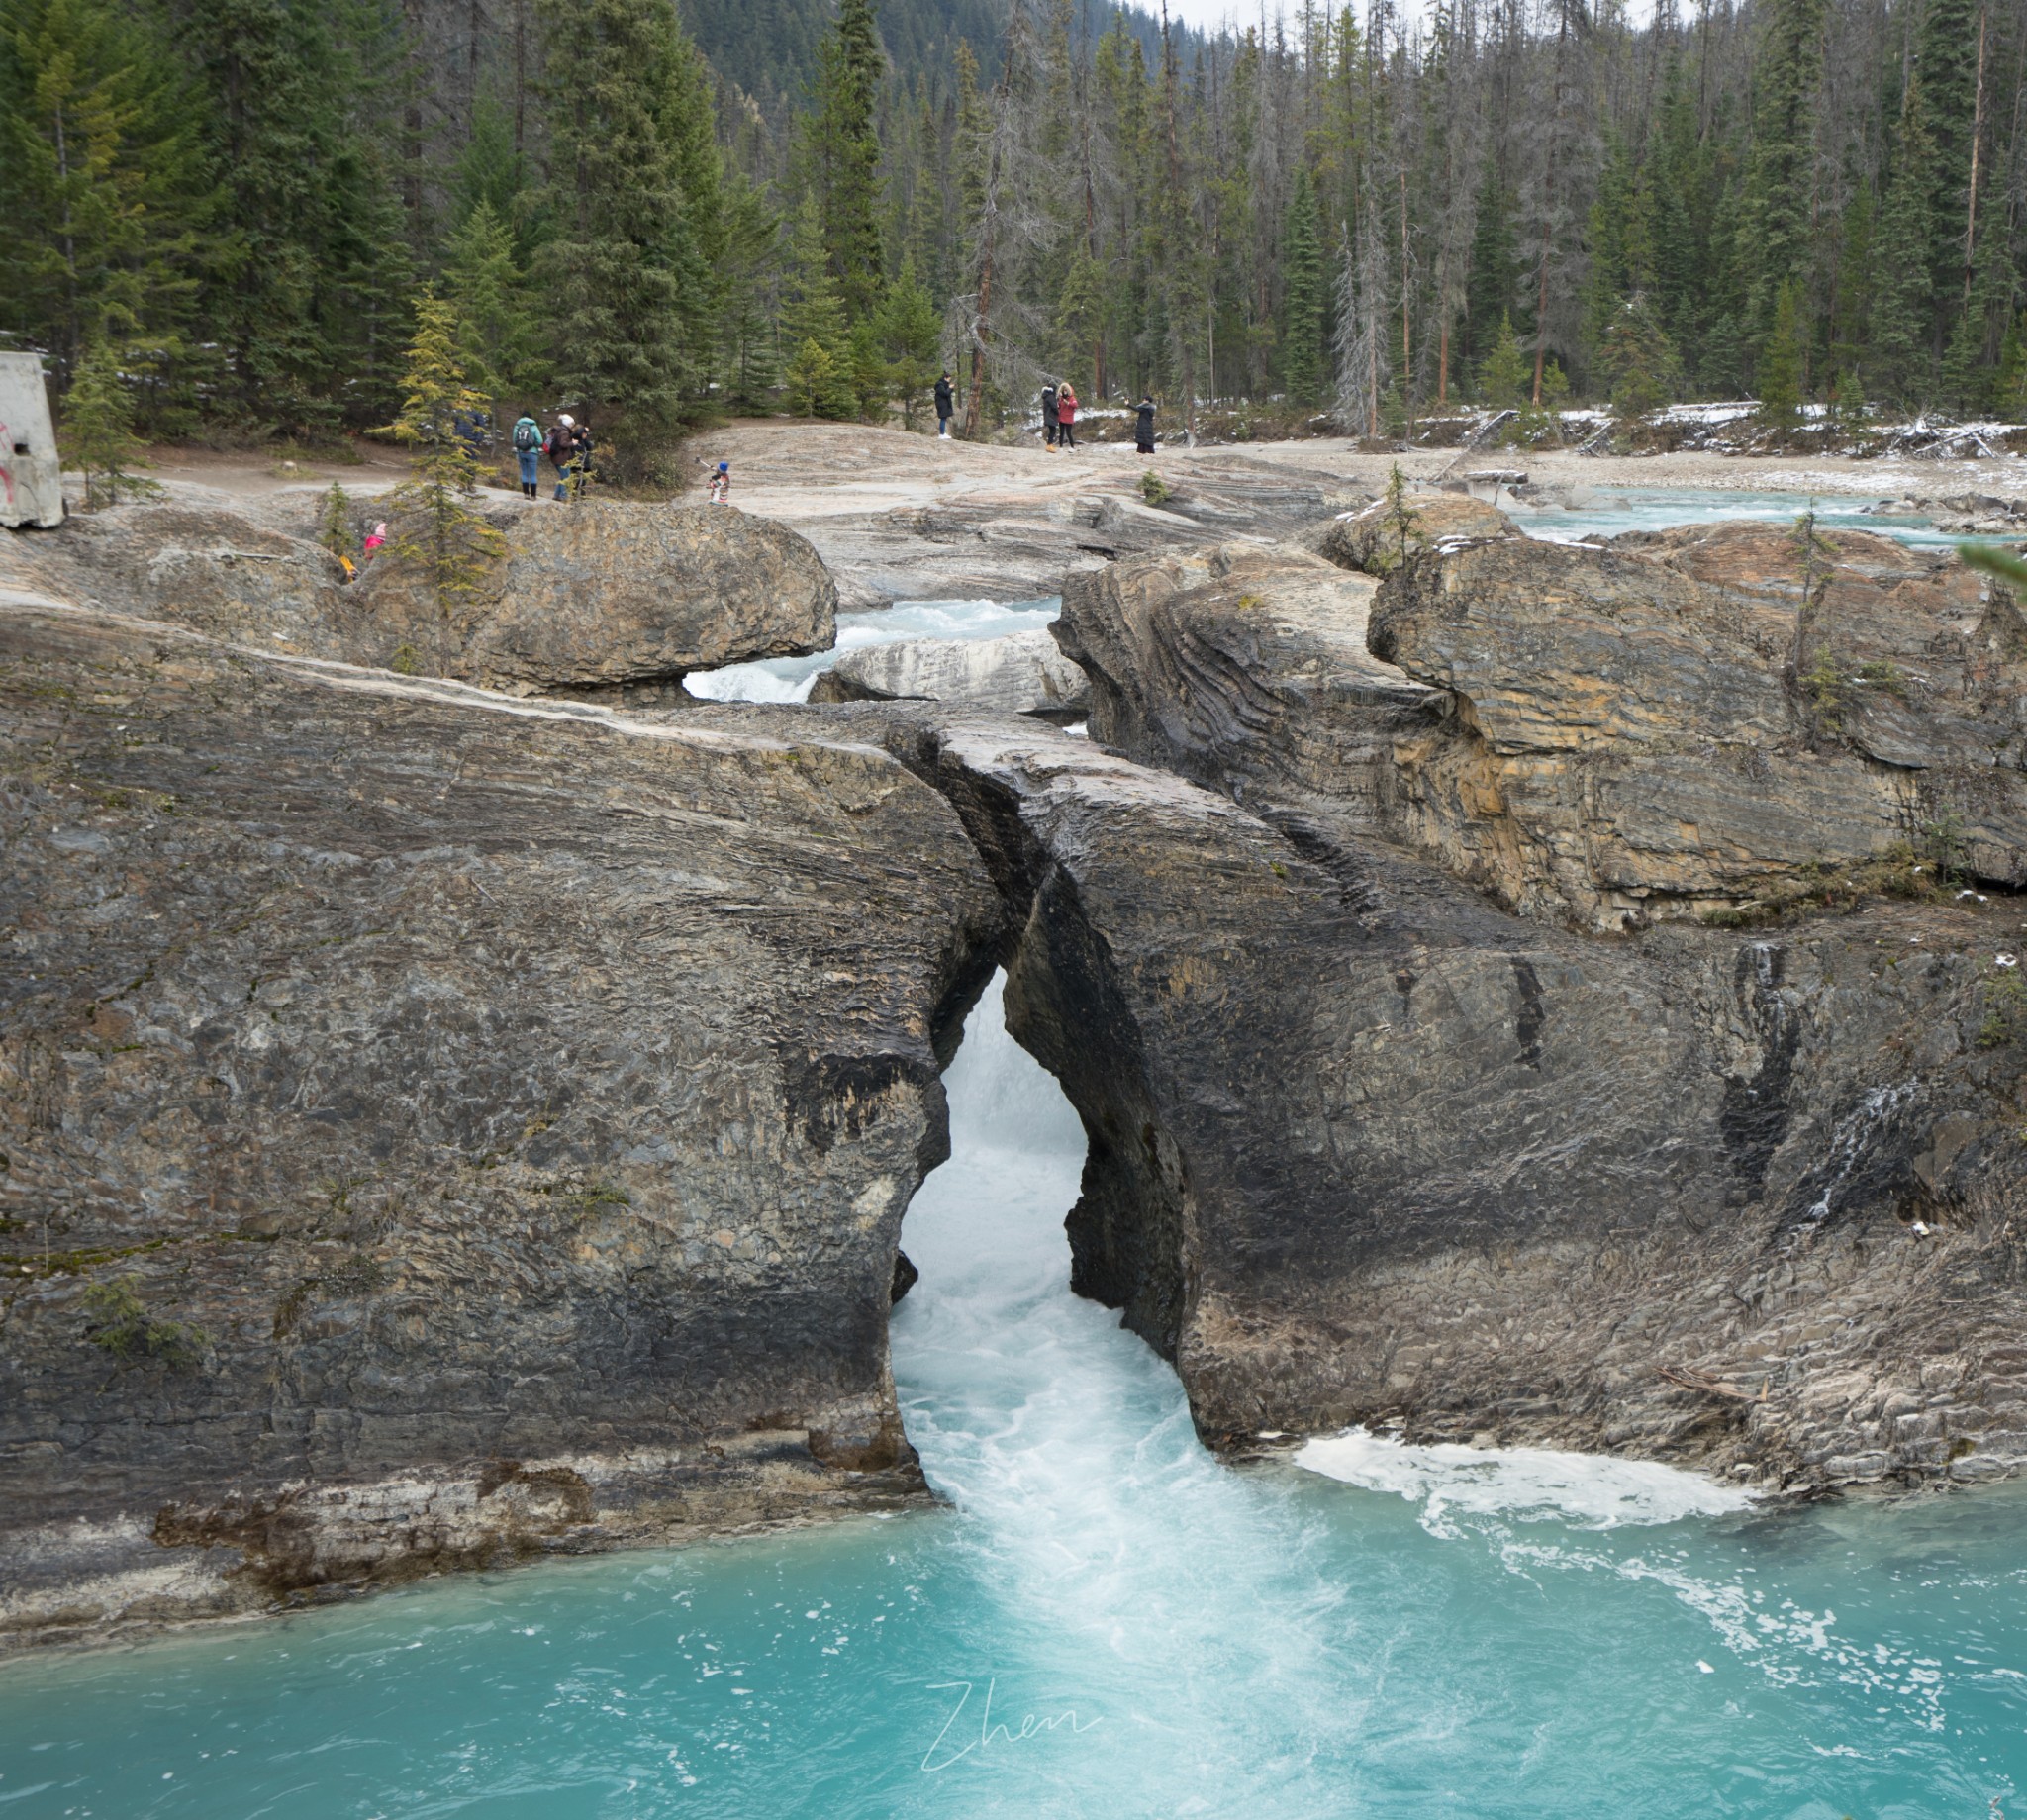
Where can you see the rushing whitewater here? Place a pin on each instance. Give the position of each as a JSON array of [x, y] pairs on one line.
[[1106, 1623], [787, 679]]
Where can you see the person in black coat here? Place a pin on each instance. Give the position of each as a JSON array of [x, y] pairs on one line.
[[1048, 413], [945, 405], [1143, 426]]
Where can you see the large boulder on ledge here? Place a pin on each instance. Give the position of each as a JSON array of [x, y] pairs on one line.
[[600, 596]]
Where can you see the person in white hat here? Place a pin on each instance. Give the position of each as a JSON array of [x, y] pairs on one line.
[[562, 450]]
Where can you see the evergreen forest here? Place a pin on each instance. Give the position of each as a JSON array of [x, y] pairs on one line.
[[237, 213]]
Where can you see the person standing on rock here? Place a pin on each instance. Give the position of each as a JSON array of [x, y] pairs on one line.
[[580, 462], [562, 447], [1066, 416], [1143, 426], [947, 406], [527, 452], [1048, 413]]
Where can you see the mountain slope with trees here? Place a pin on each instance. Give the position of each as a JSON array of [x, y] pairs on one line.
[[658, 214]]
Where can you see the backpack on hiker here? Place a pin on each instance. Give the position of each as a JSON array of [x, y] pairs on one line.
[[528, 436]]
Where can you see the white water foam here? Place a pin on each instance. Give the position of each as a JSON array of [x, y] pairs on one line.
[[789, 679], [1520, 1483]]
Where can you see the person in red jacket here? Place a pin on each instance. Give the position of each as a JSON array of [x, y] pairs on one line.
[[1066, 415]]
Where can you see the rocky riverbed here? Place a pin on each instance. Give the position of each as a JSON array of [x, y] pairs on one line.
[[462, 1108]]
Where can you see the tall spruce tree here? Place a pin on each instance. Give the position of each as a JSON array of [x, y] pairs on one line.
[[1302, 297], [1902, 348], [312, 306], [499, 318], [98, 429], [1775, 218], [110, 196], [843, 148], [623, 281], [1494, 271], [1781, 357], [818, 363], [1946, 62]]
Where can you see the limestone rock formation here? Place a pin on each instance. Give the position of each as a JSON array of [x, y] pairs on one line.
[[598, 596], [1366, 1149], [1598, 736], [1244, 666], [436, 1130], [605, 594], [1682, 723], [1021, 674], [1377, 538]]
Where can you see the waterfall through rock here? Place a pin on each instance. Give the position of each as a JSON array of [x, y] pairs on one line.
[[1108, 1621]]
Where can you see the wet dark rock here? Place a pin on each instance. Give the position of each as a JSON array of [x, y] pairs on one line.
[[1365, 1148], [439, 1129]]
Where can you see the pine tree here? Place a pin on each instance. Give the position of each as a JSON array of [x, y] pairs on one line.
[[1850, 318], [434, 526], [1502, 379], [746, 357], [1495, 269], [1638, 360], [312, 295], [1302, 298], [711, 270], [98, 429], [623, 282], [334, 528], [1946, 67], [843, 148], [1901, 356], [498, 321], [819, 370], [111, 199], [909, 332], [1775, 244], [1970, 369], [1780, 361]]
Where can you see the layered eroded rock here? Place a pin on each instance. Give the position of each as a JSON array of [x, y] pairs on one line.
[[1680, 722], [1244, 666], [1366, 1149], [437, 1128]]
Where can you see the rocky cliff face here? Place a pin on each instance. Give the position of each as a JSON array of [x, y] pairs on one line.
[[594, 597], [1366, 1148], [434, 1131], [1705, 722], [1688, 723], [437, 1127]]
